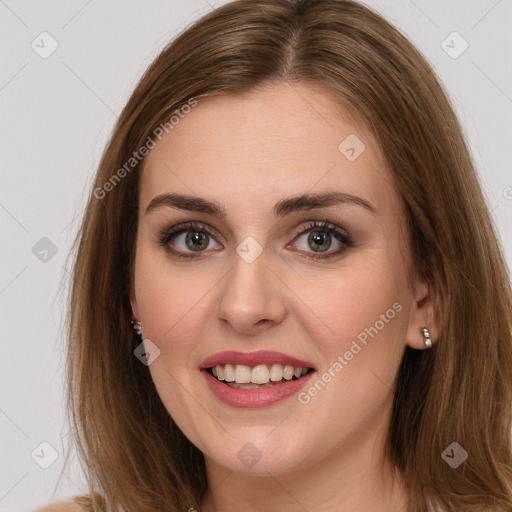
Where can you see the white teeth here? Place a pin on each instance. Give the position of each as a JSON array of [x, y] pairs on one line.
[[242, 374], [229, 373], [257, 376], [288, 372], [276, 373], [260, 374]]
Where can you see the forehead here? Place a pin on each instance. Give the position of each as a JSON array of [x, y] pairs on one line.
[[284, 139]]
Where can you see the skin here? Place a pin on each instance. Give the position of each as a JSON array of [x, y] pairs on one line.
[[247, 152]]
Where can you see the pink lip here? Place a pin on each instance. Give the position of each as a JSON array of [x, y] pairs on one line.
[[253, 359], [250, 398]]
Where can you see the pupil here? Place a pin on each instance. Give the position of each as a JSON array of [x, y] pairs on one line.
[[319, 238], [197, 240]]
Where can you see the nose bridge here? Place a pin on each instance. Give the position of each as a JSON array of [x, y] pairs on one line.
[[251, 292]]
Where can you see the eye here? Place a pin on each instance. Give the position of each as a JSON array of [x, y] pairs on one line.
[[189, 238], [320, 239]]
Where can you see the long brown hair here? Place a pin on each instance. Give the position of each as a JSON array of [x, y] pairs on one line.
[[135, 457]]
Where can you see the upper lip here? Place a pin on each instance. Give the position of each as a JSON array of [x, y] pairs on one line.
[[253, 359]]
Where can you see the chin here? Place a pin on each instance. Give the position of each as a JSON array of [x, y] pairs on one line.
[[259, 454]]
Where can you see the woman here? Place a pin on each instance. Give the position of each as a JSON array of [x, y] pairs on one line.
[[288, 292]]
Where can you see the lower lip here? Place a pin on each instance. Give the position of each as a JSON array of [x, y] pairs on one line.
[[262, 397]]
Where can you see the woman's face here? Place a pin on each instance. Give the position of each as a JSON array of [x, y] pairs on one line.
[[265, 285]]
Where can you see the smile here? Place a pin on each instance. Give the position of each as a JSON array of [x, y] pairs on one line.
[[255, 379], [246, 377]]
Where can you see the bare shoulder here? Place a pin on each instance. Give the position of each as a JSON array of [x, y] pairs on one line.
[[62, 506]]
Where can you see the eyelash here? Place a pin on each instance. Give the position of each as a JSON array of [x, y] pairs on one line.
[[165, 235]]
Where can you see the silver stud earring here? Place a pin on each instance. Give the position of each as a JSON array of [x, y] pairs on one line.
[[137, 326], [426, 337]]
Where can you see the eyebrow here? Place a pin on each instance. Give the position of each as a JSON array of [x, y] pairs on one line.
[[281, 208]]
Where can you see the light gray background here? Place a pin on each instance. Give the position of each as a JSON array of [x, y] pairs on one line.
[[57, 114]]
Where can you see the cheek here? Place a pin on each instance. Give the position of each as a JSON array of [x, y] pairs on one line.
[[362, 304], [361, 330], [174, 302], [169, 305]]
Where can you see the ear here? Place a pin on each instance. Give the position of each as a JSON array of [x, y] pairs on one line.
[[133, 302], [422, 314]]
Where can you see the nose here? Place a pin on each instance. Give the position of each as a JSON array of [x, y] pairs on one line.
[[252, 296]]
